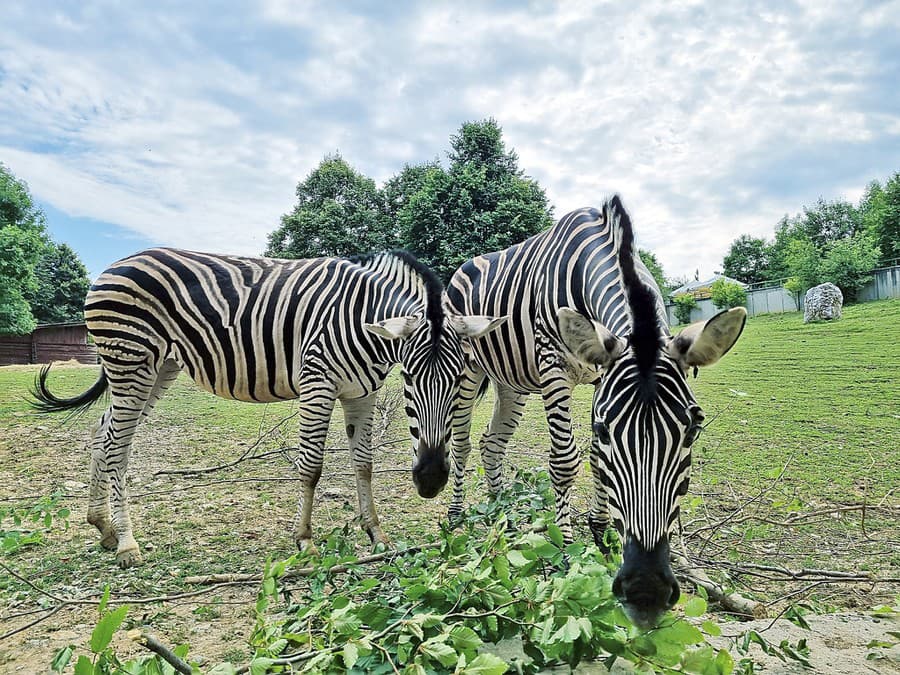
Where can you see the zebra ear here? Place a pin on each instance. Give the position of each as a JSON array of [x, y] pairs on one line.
[[396, 327], [705, 342], [587, 339], [474, 326]]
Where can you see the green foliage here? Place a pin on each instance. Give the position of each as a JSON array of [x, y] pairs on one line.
[[23, 526], [748, 259], [684, 303], [655, 268], [339, 212], [727, 294], [880, 209], [803, 261], [848, 262], [61, 285], [482, 203]]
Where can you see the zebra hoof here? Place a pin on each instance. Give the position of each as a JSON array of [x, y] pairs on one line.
[[128, 558], [109, 541], [308, 547]]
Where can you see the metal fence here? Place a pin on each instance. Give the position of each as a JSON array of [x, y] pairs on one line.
[[776, 300]]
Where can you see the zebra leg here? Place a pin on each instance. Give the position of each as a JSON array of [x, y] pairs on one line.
[[98, 499], [461, 423], [508, 408], [358, 415], [316, 405], [598, 517], [129, 394], [564, 461]]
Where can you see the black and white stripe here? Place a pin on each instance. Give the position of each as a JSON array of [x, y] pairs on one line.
[[584, 309], [263, 330]]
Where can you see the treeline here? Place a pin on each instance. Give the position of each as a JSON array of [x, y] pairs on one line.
[[831, 241], [481, 202], [40, 281]]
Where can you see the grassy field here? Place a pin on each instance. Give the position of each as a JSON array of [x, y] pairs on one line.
[[799, 467]]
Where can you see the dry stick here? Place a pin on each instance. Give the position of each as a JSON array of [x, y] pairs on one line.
[[732, 602], [147, 640]]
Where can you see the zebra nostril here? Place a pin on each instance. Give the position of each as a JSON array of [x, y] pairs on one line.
[[674, 595], [617, 587]]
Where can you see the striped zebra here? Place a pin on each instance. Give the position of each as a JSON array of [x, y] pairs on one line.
[[584, 309], [262, 330]]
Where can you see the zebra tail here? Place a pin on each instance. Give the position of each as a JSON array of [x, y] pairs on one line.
[[44, 401]]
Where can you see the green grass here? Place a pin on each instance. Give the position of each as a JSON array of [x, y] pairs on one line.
[[819, 403]]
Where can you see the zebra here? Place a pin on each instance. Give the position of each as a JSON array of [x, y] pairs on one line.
[[584, 309], [264, 330]]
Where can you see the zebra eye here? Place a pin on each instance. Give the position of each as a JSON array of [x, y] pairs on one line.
[[692, 433], [601, 431]]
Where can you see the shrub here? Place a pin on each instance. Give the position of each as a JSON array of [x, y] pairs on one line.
[[727, 294], [684, 303]]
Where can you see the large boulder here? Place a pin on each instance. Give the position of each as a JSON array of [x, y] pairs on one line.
[[823, 303]]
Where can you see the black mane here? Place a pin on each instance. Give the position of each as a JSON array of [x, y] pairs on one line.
[[434, 289], [645, 334]]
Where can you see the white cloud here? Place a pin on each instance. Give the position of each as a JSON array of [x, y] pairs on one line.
[[193, 129]]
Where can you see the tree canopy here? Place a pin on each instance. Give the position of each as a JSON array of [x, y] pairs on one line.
[[481, 202], [39, 280]]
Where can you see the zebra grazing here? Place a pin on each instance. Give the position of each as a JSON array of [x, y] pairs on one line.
[[261, 330], [584, 309]]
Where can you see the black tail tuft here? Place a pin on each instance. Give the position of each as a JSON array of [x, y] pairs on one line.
[[43, 400]]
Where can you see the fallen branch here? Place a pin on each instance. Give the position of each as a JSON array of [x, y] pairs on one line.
[[146, 640], [732, 602]]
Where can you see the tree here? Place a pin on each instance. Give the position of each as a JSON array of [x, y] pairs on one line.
[[22, 240], [727, 294], [748, 259], [482, 203], [655, 268], [803, 262], [684, 303], [61, 286], [848, 263], [880, 212], [827, 222], [339, 212]]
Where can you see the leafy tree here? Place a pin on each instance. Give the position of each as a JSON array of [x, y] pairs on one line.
[[748, 259], [61, 286], [880, 212], [827, 222], [727, 294], [847, 263], [22, 240], [803, 260], [483, 202], [655, 267], [339, 212], [684, 303]]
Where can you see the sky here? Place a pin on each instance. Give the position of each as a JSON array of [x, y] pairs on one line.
[[190, 124]]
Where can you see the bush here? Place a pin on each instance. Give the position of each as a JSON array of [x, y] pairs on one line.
[[684, 303], [728, 294]]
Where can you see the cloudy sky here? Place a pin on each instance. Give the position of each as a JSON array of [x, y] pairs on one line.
[[190, 124]]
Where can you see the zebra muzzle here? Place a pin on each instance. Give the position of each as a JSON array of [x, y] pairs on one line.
[[430, 471], [645, 584]]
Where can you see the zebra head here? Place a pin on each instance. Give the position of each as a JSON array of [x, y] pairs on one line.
[[645, 420], [432, 362]]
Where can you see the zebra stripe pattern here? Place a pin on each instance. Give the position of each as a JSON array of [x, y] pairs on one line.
[[584, 309], [263, 330]]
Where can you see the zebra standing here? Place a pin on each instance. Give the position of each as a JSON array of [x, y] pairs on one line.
[[584, 309], [262, 330]]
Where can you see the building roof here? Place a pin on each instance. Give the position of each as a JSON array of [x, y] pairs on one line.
[[692, 286]]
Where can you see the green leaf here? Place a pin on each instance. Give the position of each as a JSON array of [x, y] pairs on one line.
[[555, 534], [351, 655], [464, 638], [62, 658], [696, 606], [724, 662], [517, 559], [444, 653], [486, 664], [260, 665], [104, 599], [711, 628], [643, 646], [106, 627], [83, 666]]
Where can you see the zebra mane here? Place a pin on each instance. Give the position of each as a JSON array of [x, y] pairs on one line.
[[434, 289], [645, 333]]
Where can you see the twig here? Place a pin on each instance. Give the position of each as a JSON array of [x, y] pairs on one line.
[[32, 623], [732, 602], [147, 640]]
